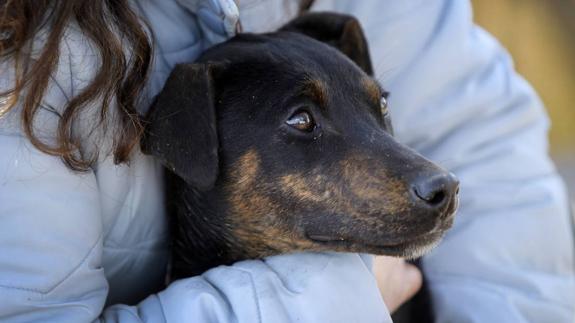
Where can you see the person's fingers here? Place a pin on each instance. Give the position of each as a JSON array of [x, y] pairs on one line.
[[413, 279], [397, 280]]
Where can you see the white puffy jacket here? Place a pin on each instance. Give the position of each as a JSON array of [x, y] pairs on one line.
[[75, 247]]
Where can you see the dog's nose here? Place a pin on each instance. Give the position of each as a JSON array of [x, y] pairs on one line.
[[436, 191]]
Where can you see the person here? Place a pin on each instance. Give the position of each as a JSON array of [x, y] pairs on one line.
[[83, 236]]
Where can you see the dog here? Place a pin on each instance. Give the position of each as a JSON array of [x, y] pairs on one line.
[[282, 142]]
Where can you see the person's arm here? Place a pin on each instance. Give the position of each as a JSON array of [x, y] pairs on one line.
[[456, 98], [398, 280], [290, 288]]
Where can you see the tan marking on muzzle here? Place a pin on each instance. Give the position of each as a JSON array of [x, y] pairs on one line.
[[304, 189], [369, 182], [355, 186]]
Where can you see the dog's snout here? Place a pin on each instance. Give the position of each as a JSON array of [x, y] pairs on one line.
[[436, 191]]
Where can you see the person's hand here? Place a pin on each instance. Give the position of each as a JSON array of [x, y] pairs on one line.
[[397, 280]]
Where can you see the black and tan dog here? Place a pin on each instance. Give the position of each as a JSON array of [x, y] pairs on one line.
[[282, 142]]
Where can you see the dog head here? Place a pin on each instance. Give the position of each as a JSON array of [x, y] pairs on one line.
[[283, 142]]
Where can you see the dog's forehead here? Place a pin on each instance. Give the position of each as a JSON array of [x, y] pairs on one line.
[[299, 62], [292, 52]]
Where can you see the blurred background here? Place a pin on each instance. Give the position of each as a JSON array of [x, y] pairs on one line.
[[540, 35]]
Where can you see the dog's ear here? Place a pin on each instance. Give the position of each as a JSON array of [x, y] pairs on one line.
[[181, 126], [340, 31]]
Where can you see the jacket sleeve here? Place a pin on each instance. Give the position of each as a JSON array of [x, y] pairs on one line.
[[456, 98], [290, 288]]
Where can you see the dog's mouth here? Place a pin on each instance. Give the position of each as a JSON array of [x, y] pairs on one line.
[[422, 239], [407, 248]]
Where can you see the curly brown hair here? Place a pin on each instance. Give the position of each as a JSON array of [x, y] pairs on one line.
[[112, 27]]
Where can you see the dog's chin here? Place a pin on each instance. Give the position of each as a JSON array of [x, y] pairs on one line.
[[409, 248]]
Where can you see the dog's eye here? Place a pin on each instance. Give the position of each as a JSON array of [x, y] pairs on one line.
[[302, 121], [383, 105]]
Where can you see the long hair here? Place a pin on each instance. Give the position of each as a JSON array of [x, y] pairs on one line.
[[114, 30]]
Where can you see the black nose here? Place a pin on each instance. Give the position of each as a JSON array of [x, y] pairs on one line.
[[436, 191]]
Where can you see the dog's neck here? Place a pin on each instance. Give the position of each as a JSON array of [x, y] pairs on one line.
[[201, 239]]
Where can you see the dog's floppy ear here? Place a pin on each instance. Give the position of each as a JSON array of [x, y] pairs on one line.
[[181, 126], [340, 31]]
